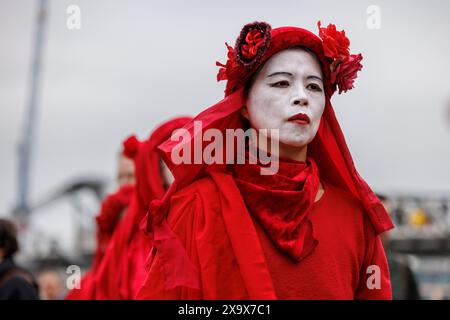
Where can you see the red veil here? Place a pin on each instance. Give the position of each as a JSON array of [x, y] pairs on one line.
[[328, 149], [122, 270]]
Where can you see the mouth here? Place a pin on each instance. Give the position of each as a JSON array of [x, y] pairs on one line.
[[300, 118]]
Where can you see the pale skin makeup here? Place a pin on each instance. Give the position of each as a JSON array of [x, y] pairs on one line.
[[166, 175], [125, 171], [288, 94]]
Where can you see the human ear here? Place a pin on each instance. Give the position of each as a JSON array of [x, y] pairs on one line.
[[244, 112]]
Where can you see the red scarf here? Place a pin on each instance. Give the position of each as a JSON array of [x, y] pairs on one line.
[[111, 212], [281, 202]]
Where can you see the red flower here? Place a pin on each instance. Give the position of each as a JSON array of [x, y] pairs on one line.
[[252, 43], [254, 40], [335, 43], [226, 69], [130, 147], [231, 71], [248, 51], [346, 72]]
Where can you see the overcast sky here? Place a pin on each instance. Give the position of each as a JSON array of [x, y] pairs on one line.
[[136, 63]]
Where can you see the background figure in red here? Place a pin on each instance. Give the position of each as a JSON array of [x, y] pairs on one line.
[[308, 230], [122, 271], [112, 210]]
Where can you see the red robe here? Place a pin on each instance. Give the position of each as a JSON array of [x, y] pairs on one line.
[[122, 271], [236, 260], [112, 209], [115, 278]]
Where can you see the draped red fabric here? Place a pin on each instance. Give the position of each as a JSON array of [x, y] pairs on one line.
[[329, 151], [282, 202], [235, 259], [112, 209], [122, 270]]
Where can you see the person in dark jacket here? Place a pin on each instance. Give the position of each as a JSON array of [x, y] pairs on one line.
[[15, 282]]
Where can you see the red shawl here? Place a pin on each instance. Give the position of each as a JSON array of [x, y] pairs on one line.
[[231, 259], [282, 202]]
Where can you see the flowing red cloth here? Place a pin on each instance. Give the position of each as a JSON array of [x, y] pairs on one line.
[[122, 270], [338, 268], [236, 259], [112, 210], [176, 266], [282, 202]]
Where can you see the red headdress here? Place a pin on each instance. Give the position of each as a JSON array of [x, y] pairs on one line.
[[149, 181], [256, 43]]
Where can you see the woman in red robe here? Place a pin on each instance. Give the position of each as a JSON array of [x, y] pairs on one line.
[[122, 271], [111, 212], [308, 230]]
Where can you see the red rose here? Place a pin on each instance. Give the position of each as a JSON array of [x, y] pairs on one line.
[[346, 72], [254, 40], [130, 147], [335, 43]]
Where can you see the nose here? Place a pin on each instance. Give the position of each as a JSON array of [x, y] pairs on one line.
[[299, 98]]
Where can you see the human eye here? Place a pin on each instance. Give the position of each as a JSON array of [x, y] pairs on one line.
[[314, 87], [280, 84]]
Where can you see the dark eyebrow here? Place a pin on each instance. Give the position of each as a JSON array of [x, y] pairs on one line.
[[290, 74], [315, 77], [278, 73]]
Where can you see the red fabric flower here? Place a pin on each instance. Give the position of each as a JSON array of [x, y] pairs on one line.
[[252, 43], [131, 147], [335, 43], [248, 51], [226, 69], [230, 71], [254, 40], [346, 72]]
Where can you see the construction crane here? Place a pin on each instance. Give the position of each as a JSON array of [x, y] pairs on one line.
[[25, 148]]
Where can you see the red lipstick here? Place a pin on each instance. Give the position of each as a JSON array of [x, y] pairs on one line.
[[300, 118]]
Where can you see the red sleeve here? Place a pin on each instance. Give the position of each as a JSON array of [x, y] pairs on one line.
[[181, 218], [374, 281]]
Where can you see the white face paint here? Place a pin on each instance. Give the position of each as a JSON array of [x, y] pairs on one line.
[[166, 174], [288, 85], [125, 172]]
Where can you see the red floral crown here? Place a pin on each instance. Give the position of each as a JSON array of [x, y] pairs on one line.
[[254, 41]]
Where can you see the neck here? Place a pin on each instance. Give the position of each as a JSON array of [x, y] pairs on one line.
[[283, 150], [293, 153], [287, 152]]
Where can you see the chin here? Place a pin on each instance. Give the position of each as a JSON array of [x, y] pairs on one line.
[[295, 143]]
